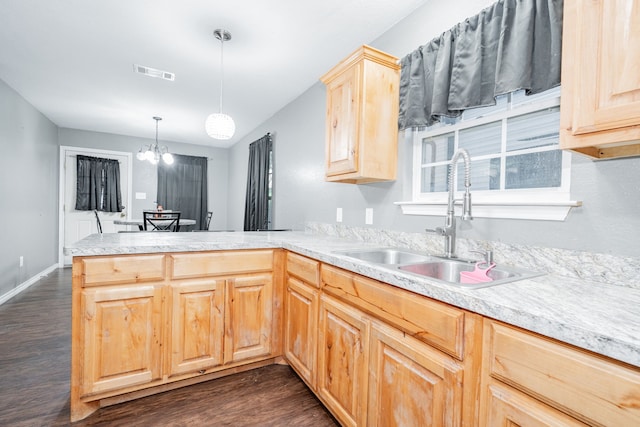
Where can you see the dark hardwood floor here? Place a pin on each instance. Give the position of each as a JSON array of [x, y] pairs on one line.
[[35, 355]]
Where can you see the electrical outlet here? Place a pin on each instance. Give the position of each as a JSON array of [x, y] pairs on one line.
[[368, 216], [21, 261], [338, 214]]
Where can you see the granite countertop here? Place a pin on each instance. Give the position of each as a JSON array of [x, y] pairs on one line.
[[592, 315]]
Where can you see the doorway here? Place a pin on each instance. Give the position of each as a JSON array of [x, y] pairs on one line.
[[75, 225]]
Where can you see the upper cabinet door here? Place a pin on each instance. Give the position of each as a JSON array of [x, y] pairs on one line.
[[342, 120], [362, 117], [601, 77]]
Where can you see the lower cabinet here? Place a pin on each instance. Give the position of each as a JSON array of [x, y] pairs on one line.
[[302, 297], [248, 317], [532, 381], [377, 365], [343, 352], [410, 383], [301, 329], [370, 373], [141, 321], [121, 337], [374, 354], [197, 325]]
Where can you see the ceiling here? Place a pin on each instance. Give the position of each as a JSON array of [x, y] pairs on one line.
[[73, 59]]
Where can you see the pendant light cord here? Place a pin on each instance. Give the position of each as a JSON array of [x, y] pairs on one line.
[[221, 68]]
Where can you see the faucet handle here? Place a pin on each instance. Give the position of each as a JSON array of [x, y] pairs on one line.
[[488, 255], [440, 231]]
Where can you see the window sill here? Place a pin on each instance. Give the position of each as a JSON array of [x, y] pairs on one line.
[[537, 210]]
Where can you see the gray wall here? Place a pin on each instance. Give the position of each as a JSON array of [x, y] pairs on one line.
[[608, 222], [145, 179], [28, 190]]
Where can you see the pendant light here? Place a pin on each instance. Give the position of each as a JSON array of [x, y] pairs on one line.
[[220, 125], [153, 152]]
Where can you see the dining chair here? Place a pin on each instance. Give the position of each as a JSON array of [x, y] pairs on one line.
[[98, 221], [161, 221], [209, 216]]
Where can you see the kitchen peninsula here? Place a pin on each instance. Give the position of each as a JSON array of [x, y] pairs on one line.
[[197, 306]]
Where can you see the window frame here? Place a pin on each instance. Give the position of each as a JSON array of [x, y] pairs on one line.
[[538, 203]]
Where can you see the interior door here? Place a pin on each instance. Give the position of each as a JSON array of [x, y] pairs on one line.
[[79, 224]]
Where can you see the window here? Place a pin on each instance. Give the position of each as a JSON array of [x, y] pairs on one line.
[[516, 164], [98, 184]]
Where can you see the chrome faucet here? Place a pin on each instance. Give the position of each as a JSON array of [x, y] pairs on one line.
[[449, 229]]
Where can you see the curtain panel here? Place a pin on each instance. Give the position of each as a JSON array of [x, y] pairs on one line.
[[182, 186], [511, 45], [256, 208], [98, 184]]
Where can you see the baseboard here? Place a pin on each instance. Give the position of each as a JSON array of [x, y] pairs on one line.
[[24, 285]]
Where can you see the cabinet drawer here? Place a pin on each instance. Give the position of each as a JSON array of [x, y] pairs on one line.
[[509, 407], [202, 264], [590, 388], [123, 269], [304, 268], [432, 322]]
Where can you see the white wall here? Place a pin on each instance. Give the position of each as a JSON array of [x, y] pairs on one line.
[[28, 190], [608, 221]]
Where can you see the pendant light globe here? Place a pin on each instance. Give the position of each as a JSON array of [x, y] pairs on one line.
[[220, 125]]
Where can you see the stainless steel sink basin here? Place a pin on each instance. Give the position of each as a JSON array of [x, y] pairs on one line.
[[443, 270], [449, 271], [386, 256]]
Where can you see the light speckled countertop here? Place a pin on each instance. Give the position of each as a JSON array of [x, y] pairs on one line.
[[592, 315]]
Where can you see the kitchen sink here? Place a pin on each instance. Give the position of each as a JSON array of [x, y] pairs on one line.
[[449, 271], [386, 256], [440, 269]]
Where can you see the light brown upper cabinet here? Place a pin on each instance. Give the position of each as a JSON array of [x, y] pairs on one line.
[[362, 117], [600, 110]]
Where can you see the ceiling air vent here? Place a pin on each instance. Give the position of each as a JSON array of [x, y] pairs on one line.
[[154, 72]]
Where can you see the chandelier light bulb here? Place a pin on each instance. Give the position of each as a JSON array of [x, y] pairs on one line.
[[167, 158]]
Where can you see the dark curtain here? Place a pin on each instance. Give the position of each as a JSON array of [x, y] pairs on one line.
[[182, 186], [256, 208], [98, 184], [511, 45]]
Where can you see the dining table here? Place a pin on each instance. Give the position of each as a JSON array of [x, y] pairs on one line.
[[140, 222]]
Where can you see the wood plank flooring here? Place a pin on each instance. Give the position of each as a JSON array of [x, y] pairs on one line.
[[35, 354]]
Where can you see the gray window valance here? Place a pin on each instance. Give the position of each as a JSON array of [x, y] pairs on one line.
[[511, 45]]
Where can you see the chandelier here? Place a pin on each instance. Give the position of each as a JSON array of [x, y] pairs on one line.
[[220, 125], [153, 152]]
